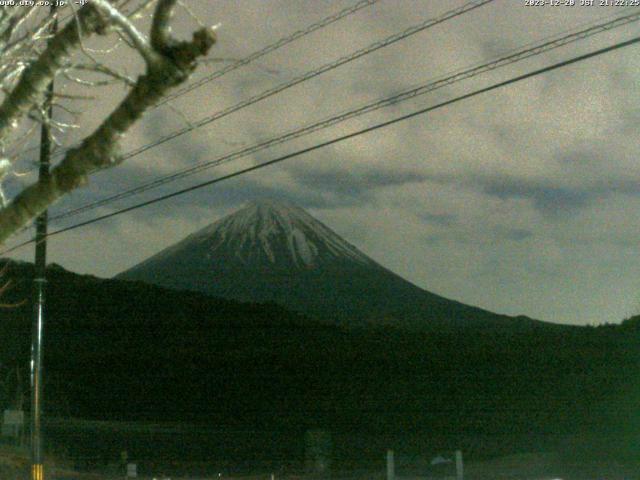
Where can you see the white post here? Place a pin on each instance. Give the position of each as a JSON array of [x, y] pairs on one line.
[[459, 466], [132, 470], [391, 471]]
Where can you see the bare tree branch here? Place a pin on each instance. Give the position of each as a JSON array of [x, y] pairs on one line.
[[136, 38], [171, 64], [10, 22], [104, 70], [34, 80], [161, 28], [140, 10]]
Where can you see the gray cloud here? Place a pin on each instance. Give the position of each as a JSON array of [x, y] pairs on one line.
[[551, 200], [362, 185], [588, 155], [442, 219], [515, 234]]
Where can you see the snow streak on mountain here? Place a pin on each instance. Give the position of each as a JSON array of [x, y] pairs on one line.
[[277, 233]]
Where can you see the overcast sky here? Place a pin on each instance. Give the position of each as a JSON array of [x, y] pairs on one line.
[[523, 200]]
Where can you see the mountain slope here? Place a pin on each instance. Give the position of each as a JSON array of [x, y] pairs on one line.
[[276, 252]]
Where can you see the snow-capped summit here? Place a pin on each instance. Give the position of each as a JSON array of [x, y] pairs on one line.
[[277, 233], [274, 251]]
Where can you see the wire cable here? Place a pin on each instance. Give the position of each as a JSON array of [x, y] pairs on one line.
[[306, 76], [518, 55], [270, 48], [312, 74], [258, 54], [341, 138]]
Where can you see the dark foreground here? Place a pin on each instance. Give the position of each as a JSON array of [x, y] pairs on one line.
[[568, 458]]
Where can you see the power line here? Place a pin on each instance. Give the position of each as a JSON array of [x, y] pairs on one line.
[[514, 57], [270, 48], [260, 53], [333, 141], [312, 74]]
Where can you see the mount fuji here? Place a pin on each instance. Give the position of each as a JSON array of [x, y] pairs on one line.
[[275, 252]]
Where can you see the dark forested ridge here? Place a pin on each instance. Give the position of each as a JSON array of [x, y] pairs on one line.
[[125, 350]]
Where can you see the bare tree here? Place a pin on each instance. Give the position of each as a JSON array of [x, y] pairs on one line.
[[30, 58]]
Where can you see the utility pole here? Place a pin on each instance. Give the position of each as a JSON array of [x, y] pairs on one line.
[[37, 468]]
